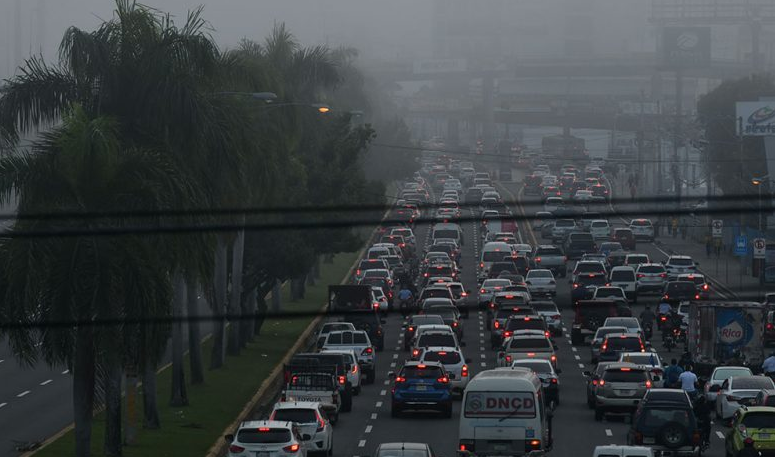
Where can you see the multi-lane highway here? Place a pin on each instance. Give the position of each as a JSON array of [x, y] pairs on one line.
[[575, 431]]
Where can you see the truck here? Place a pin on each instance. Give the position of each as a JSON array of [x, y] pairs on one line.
[[336, 365], [726, 333], [317, 387], [354, 303], [565, 148]]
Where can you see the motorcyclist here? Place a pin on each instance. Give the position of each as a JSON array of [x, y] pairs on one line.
[[686, 359], [702, 413], [647, 318], [672, 372], [768, 367], [405, 297], [663, 309]]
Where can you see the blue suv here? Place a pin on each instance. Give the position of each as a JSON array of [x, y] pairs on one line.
[[421, 386]]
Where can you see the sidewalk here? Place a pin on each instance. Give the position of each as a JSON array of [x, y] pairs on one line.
[[730, 275]]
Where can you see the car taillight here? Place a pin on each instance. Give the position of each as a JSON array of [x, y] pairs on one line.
[[376, 305], [367, 351], [410, 329], [464, 371], [641, 275], [594, 382], [481, 265], [342, 380], [415, 353], [696, 296], [663, 318], [321, 424], [400, 379], [466, 445], [554, 380], [770, 326], [357, 272], [355, 368], [291, 448], [443, 380], [538, 259], [532, 445], [482, 291], [506, 334], [234, 449], [648, 384], [554, 358], [546, 334], [604, 347], [575, 285], [497, 324], [601, 382], [663, 275], [508, 359], [454, 324]]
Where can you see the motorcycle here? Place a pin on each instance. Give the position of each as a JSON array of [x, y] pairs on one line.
[[405, 307], [648, 330], [668, 340]]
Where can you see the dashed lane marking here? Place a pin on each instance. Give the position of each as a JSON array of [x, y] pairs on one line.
[[368, 428], [23, 393], [66, 371], [392, 365], [483, 355], [395, 356], [481, 348], [608, 432], [46, 382], [2, 360], [581, 365], [382, 392], [373, 416], [378, 404], [387, 381], [398, 348], [481, 334], [577, 357], [2, 405], [484, 364], [720, 434], [573, 348], [361, 443]]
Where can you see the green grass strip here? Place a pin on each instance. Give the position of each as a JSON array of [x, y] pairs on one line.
[[191, 430]]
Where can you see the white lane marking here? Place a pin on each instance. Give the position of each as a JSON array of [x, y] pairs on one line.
[[3, 404], [581, 365], [573, 348], [2, 360], [361, 443], [569, 342], [608, 432], [484, 364], [398, 348], [481, 334], [395, 356], [720, 434], [481, 341], [23, 393], [392, 364], [46, 382], [484, 356], [481, 348], [387, 381], [577, 357], [368, 428], [66, 371], [382, 392], [378, 404], [373, 416]]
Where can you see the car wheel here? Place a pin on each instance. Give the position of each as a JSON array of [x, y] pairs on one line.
[[672, 435], [598, 414]]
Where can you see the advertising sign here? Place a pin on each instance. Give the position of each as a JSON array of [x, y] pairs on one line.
[[686, 47], [733, 329], [755, 118], [500, 404]]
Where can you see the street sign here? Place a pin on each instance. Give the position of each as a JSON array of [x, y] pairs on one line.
[[759, 248], [741, 245], [717, 225]]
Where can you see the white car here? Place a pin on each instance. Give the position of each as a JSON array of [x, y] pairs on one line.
[[329, 327], [642, 229], [311, 419], [358, 341], [600, 229], [380, 299], [624, 277], [737, 390], [541, 281], [354, 373], [454, 363], [583, 196], [610, 293], [268, 438], [650, 277], [719, 375], [678, 265], [632, 324], [551, 314]]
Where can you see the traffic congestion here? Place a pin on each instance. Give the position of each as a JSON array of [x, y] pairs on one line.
[[523, 317]]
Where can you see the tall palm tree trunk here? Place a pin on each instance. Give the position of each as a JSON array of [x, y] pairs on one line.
[[112, 382], [248, 309], [235, 301], [194, 335], [261, 310], [219, 303], [178, 396], [150, 402], [83, 390]]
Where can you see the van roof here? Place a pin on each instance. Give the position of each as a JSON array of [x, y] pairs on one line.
[[506, 377]]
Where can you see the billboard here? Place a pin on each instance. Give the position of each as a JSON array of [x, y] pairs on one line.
[[685, 47], [755, 118]]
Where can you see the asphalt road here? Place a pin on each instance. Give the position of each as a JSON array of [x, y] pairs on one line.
[[575, 431]]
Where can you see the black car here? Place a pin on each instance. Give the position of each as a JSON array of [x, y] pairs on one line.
[[585, 285], [590, 314], [577, 244], [675, 292], [667, 427]]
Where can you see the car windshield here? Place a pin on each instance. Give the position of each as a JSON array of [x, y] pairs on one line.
[[603, 331], [651, 269], [530, 343], [625, 375], [759, 420], [445, 357], [544, 307], [681, 262], [752, 382], [525, 323], [263, 436], [653, 419], [494, 256], [426, 320], [538, 367], [641, 359], [622, 275], [726, 373], [401, 453], [298, 415], [681, 287], [623, 344], [495, 283], [439, 340], [436, 293], [589, 267], [610, 246], [591, 280], [533, 274], [609, 292], [421, 371]]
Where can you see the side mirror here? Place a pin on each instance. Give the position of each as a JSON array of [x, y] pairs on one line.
[[229, 438]]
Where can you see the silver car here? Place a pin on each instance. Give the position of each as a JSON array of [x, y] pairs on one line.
[[454, 362], [650, 277], [719, 375], [597, 340], [620, 389]]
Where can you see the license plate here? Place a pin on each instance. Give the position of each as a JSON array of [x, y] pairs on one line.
[[625, 392], [499, 447], [648, 440], [262, 454], [763, 436], [420, 387]]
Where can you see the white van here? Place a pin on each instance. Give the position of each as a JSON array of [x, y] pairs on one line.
[[447, 230], [615, 450], [494, 251], [503, 413], [624, 277]]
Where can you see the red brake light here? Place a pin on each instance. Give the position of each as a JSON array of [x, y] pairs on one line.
[[554, 358], [594, 382], [234, 449], [641, 275], [421, 366], [625, 369], [416, 352], [454, 324], [291, 448], [367, 351], [482, 291], [554, 380], [704, 287], [506, 334], [400, 379], [411, 329], [648, 384], [498, 324], [546, 334], [443, 380], [508, 359], [663, 275], [601, 382], [263, 429], [527, 319], [342, 380], [376, 305], [538, 259], [531, 354], [464, 371]]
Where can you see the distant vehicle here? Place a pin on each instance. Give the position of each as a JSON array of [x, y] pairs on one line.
[[421, 386]]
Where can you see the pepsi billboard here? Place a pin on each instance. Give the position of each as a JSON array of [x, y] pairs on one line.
[[755, 118], [685, 47]]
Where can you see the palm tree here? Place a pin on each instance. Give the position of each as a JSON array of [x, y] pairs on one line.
[[81, 167]]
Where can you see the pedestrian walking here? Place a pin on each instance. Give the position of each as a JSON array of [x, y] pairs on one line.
[[708, 245], [718, 247], [657, 226], [684, 228], [633, 191], [675, 227]]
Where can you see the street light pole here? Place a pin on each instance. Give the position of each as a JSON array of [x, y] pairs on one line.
[[759, 182]]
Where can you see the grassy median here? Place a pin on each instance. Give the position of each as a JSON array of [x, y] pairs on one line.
[[191, 430]]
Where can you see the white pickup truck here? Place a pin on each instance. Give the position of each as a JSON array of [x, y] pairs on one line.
[[315, 387], [357, 341]]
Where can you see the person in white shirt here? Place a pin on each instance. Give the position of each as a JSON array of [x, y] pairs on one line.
[[688, 381], [769, 365]]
